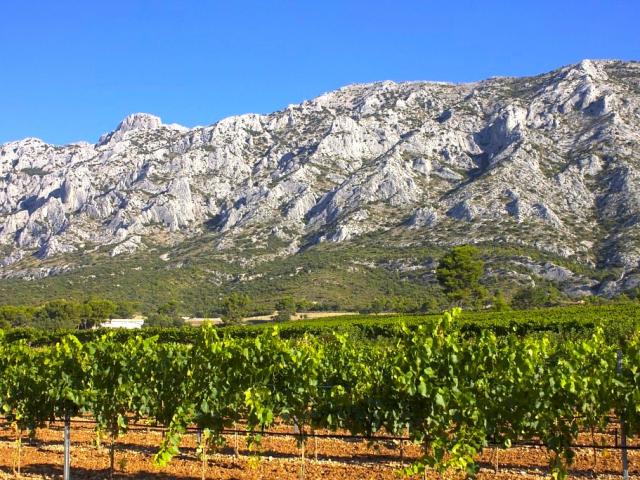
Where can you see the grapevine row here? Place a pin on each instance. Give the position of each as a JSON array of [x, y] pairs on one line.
[[454, 395]]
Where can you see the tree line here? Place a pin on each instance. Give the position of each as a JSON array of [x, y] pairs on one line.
[[64, 314], [460, 277]]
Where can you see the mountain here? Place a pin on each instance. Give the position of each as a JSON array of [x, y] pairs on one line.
[[546, 165]]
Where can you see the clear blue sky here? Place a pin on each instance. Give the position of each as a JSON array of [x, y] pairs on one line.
[[71, 70]]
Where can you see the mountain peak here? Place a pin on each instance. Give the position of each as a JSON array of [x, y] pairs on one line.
[[134, 121], [139, 121]]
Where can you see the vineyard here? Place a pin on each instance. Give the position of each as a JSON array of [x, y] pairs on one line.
[[453, 395], [618, 321]]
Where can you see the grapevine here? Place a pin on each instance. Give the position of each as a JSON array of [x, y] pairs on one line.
[[452, 393]]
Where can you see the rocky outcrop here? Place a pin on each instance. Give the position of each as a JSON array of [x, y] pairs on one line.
[[134, 122], [551, 162]]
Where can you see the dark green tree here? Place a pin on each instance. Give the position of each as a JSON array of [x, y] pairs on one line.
[[97, 311], [16, 316], [379, 305], [59, 314], [235, 307], [166, 316], [459, 274], [126, 309], [429, 305], [536, 296], [170, 308], [286, 307], [163, 320], [500, 303]]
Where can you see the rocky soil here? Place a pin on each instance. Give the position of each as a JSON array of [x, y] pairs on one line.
[[278, 458]]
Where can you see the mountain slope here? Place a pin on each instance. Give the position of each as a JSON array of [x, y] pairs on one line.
[[550, 163]]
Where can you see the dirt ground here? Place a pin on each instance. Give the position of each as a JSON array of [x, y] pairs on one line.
[[276, 458]]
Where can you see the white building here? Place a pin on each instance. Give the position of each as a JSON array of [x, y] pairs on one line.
[[130, 323], [198, 322]]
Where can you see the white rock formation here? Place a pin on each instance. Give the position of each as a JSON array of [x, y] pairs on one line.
[[551, 161]]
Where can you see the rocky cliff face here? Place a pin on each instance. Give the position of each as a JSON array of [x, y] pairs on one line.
[[551, 162]]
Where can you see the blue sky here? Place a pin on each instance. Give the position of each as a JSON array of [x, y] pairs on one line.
[[71, 70]]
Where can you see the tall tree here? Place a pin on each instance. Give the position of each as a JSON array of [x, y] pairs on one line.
[[459, 273], [234, 307], [286, 307]]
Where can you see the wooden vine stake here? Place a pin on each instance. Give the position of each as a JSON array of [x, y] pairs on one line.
[[112, 456], [301, 476], [205, 442], [623, 431], [236, 450], [426, 449], [315, 447], [66, 475], [595, 458], [18, 461]]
